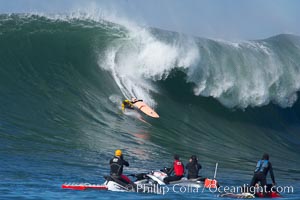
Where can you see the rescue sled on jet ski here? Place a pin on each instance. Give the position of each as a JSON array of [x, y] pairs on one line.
[[114, 184]]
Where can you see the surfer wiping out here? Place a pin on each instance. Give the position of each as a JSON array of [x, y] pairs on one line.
[[129, 104], [139, 104]]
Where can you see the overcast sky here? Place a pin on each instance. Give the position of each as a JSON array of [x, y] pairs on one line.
[[224, 19]]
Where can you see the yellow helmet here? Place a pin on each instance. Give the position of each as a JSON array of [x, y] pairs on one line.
[[118, 152]]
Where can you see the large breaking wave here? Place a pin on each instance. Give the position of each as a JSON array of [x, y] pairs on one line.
[[62, 79], [238, 74]]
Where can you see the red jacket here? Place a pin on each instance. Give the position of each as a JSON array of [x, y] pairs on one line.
[[178, 168]]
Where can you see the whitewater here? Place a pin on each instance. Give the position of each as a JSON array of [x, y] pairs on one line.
[[63, 77]]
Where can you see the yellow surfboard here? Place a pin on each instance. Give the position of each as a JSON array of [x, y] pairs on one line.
[[144, 108]]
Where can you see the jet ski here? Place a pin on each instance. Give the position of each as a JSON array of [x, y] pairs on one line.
[[270, 193], [273, 194], [157, 177], [195, 183], [251, 196], [114, 184], [141, 185]]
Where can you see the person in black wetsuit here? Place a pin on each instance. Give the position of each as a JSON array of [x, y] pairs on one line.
[[193, 167], [116, 167], [263, 166]]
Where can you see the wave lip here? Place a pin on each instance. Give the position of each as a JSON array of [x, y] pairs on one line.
[[237, 74], [142, 58], [251, 73]]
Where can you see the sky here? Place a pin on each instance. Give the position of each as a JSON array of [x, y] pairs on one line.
[[223, 19]]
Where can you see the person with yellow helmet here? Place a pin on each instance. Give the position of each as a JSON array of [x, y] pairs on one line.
[[116, 167], [129, 104]]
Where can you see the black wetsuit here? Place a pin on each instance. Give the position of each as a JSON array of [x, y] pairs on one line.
[[261, 171], [116, 167], [193, 169]]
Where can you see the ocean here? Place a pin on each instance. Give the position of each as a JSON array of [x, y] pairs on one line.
[[63, 78]]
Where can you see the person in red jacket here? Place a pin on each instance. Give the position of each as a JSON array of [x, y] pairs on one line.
[[178, 169]]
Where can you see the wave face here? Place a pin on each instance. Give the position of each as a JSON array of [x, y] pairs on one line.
[[251, 73], [62, 80]]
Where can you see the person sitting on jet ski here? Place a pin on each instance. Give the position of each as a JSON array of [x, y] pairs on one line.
[[116, 167], [178, 169], [129, 104], [193, 167], [263, 166]]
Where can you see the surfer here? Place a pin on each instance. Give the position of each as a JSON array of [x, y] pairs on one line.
[[129, 104], [116, 167], [193, 167], [263, 166], [178, 169]]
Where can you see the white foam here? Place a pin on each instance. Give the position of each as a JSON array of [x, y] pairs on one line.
[[142, 58], [239, 74]]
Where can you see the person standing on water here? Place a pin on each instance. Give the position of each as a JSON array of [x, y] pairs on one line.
[[263, 166]]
